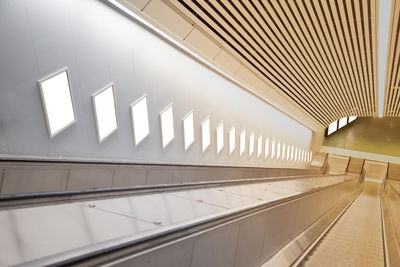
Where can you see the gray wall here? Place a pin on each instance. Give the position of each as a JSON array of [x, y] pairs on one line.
[[100, 46]]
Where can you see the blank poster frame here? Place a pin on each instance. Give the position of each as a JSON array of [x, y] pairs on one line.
[[221, 124], [161, 126], [95, 114], [203, 149], [259, 146], [251, 144], [45, 111], [187, 146], [242, 142], [230, 143], [133, 121]]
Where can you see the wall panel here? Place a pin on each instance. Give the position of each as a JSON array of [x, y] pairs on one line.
[[103, 46]]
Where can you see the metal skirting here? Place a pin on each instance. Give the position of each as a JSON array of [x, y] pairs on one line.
[[290, 254], [390, 203], [27, 177], [242, 225], [356, 239]]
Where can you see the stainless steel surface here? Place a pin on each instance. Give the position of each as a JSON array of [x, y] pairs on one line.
[[337, 164], [356, 165], [29, 177], [391, 222], [289, 254], [30, 233], [42, 231], [356, 239]]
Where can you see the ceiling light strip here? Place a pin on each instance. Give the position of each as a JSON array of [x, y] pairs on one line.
[[384, 23]]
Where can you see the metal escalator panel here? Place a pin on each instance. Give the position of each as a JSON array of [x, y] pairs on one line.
[[356, 239]]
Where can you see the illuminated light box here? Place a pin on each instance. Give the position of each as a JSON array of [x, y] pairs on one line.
[[278, 151], [332, 127], [242, 144], [140, 119], [220, 137], [167, 125], [105, 112], [205, 134], [259, 146], [57, 102], [342, 122], [273, 149], [232, 140], [251, 144], [352, 118], [188, 130], [288, 152], [283, 151], [266, 147], [292, 153]]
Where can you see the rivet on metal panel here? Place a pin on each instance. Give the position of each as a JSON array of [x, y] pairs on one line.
[[92, 205]]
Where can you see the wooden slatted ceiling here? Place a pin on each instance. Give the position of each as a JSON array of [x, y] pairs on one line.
[[321, 53], [392, 97]]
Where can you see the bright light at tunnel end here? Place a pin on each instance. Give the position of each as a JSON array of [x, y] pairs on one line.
[[384, 24]]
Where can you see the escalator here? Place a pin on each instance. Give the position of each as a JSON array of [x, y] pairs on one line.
[[356, 238]]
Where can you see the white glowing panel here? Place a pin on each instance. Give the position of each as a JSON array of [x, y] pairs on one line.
[[140, 119], [220, 137], [278, 151], [352, 118], [57, 102], [105, 112], [283, 151], [188, 130], [296, 154], [288, 152], [205, 134], [273, 149], [232, 140], [167, 125], [266, 147], [342, 122], [292, 154], [242, 141], [332, 127], [259, 146], [251, 144]]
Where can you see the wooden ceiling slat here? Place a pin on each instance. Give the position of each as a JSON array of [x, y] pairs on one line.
[[334, 48], [210, 21], [347, 37], [374, 33], [278, 52], [368, 59], [234, 28], [392, 77], [316, 36], [337, 85], [321, 54], [344, 52], [353, 12]]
